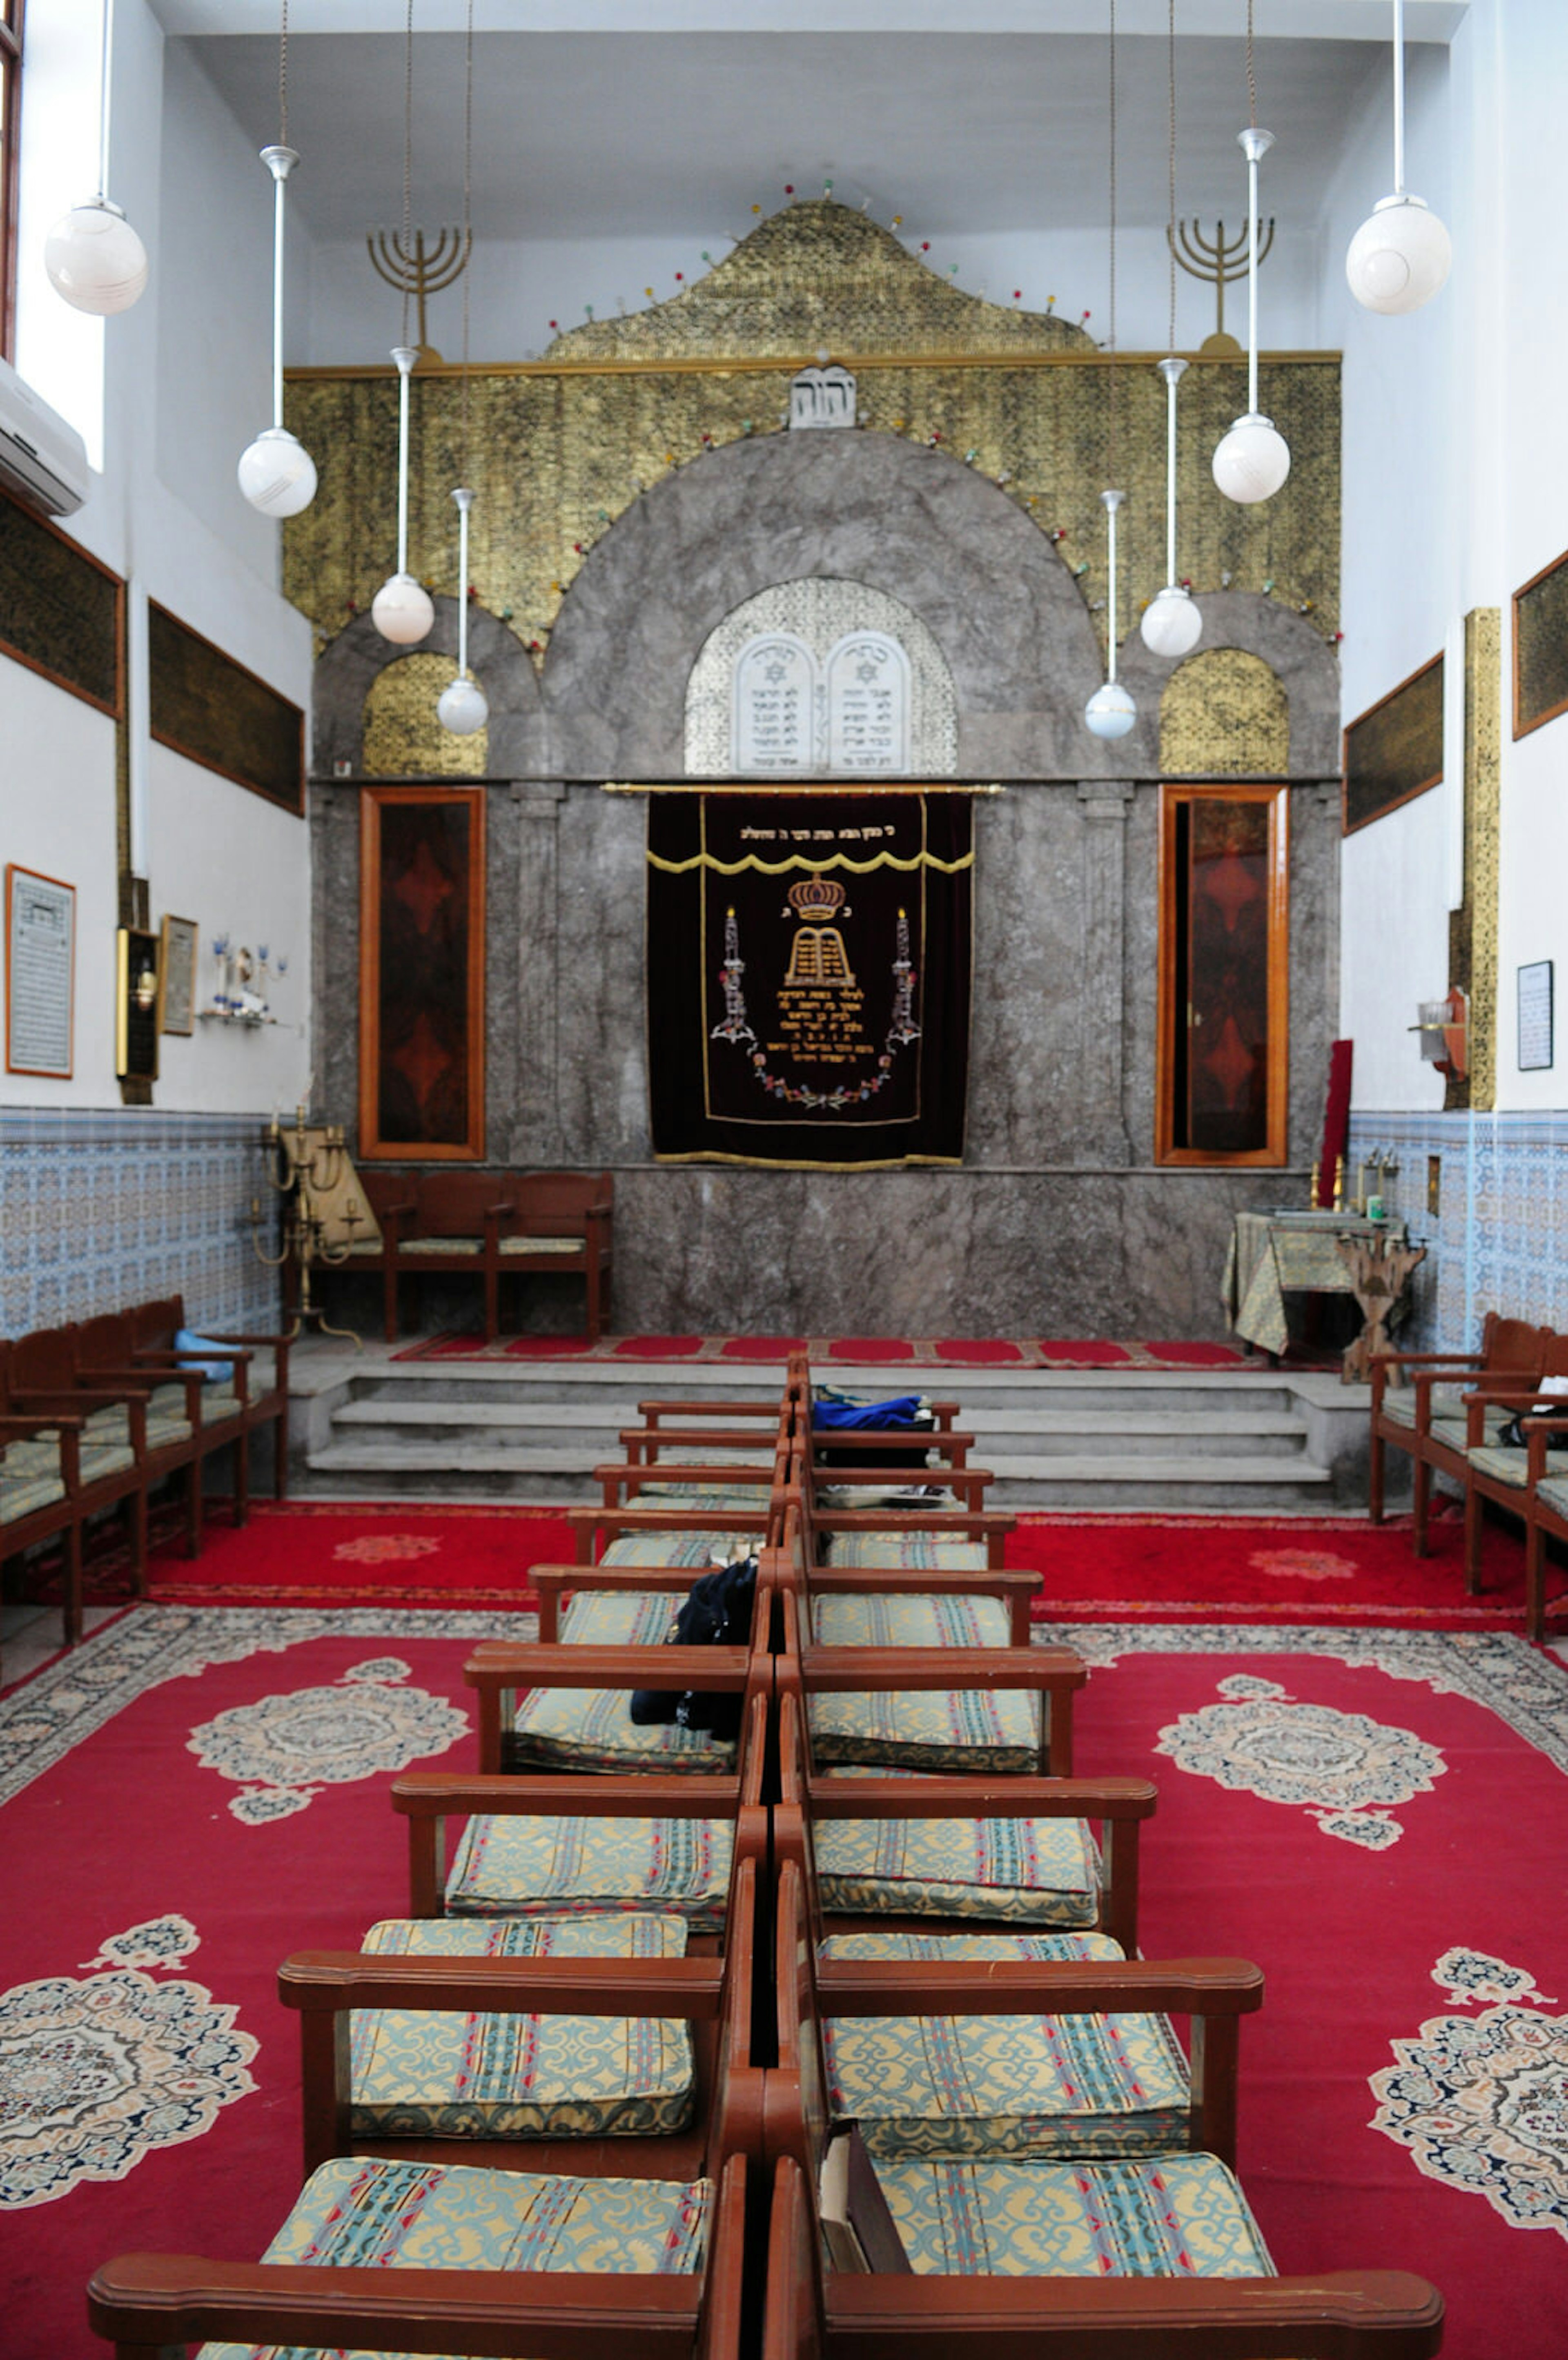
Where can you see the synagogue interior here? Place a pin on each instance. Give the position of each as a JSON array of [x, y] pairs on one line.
[[778, 830]]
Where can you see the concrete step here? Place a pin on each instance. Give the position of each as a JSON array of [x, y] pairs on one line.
[[1007, 1438]]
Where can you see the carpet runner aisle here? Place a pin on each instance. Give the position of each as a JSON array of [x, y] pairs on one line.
[[1375, 1816]]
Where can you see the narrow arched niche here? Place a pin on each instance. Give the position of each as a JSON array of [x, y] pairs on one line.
[[403, 738], [1224, 714]]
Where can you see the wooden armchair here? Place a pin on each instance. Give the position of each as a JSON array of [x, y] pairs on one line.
[[38, 1379], [1426, 1418], [495, 1224], [1501, 1472], [260, 1380], [188, 1418], [40, 1487], [1545, 1511], [567, 1707]]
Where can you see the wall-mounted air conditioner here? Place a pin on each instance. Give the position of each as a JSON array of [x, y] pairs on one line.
[[42, 459]]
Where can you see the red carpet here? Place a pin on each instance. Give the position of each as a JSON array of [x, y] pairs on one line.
[[1330, 1806], [920, 1352], [1317, 1569]]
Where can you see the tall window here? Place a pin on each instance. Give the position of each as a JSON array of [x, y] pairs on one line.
[[10, 122], [1222, 1075]]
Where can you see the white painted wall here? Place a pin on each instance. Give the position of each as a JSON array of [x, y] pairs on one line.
[[1453, 496], [183, 385]]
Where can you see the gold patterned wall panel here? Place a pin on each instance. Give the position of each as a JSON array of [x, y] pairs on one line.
[[1224, 715], [561, 448], [1473, 927], [403, 738]]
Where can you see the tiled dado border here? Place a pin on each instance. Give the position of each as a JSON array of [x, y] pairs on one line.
[[100, 1210], [1499, 1240]]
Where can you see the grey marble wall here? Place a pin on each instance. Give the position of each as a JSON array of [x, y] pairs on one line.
[[1057, 1224]]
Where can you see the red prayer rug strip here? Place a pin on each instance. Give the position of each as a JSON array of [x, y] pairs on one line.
[[916, 1352], [1374, 1817]]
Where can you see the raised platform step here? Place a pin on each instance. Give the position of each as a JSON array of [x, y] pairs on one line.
[[1264, 1442]]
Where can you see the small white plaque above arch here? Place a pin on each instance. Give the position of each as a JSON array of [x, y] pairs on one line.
[[868, 703], [776, 704]]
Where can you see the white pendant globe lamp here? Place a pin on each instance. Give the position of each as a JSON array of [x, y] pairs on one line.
[[1171, 624], [461, 707], [1252, 460], [93, 255], [1399, 259], [276, 473], [1110, 712], [401, 610]]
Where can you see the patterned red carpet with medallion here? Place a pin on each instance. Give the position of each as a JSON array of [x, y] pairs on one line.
[[1374, 1817]]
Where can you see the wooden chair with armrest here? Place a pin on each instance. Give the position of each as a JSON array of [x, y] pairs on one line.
[[567, 1707], [1492, 1470], [41, 1498], [260, 1381], [38, 1379], [1426, 1417], [1545, 1511], [886, 2312], [189, 1419]]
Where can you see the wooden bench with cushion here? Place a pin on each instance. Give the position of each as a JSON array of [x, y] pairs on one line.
[[495, 1224], [1428, 1418]]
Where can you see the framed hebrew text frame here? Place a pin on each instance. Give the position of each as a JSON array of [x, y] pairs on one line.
[[1393, 751], [62, 611], [177, 975], [1541, 648], [1535, 1012], [422, 973], [213, 711], [1221, 1063], [40, 974]]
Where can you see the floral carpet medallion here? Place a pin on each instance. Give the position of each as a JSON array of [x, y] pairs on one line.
[[94, 2074], [1482, 2101], [1342, 1767], [386, 1548], [284, 1749], [1303, 1564]]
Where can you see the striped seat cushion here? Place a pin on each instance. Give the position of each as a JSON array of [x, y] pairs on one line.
[[1028, 2085], [526, 1867], [899, 1491], [25, 1490], [1447, 1401], [699, 1550], [1506, 1465], [542, 1245], [592, 1729], [905, 1549], [1022, 1871], [370, 2212], [441, 1245], [993, 1729], [1174, 2216], [417, 2074], [1552, 1493], [619, 1618], [878, 1621], [100, 1459]]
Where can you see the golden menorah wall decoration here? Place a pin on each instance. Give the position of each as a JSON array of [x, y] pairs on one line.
[[421, 270], [1219, 263]]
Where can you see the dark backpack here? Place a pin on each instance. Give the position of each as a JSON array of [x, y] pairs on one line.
[[715, 1612]]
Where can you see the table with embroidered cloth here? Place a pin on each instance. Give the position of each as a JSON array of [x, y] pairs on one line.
[[1274, 1254]]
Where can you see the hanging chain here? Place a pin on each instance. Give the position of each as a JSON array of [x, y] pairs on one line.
[[283, 79], [1111, 342], [1171, 234], [467, 220], [1251, 80], [409, 149]]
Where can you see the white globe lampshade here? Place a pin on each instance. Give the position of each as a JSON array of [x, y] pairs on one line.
[[1171, 623], [278, 475], [462, 708], [96, 260], [1398, 259], [1111, 712], [1252, 460], [401, 610]]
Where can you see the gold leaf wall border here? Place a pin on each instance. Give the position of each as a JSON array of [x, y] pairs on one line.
[[563, 447]]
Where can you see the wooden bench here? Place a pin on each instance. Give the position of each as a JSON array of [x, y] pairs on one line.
[[1428, 1419], [495, 1225]]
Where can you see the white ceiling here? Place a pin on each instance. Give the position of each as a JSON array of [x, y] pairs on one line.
[[611, 134]]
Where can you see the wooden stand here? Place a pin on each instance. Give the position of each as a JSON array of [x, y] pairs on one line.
[[1379, 1273]]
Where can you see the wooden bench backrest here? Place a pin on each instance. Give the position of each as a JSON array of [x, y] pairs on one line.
[[154, 1326], [454, 1204], [1513, 1344], [385, 1189], [45, 1361], [555, 1204], [106, 1342]]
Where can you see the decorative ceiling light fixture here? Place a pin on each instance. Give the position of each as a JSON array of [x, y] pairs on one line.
[[401, 609], [462, 708], [276, 473], [1252, 460], [93, 257], [1171, 624], [1399, 259], [1110, 712]]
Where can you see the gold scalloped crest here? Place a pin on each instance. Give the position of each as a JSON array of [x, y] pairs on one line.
[[1224, 714], [817, 277]]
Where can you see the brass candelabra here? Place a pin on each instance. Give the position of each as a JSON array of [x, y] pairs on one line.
[[306, 1164]]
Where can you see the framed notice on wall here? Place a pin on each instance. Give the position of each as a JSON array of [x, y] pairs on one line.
[[177, 975], [1535, 1017], [40, 970]]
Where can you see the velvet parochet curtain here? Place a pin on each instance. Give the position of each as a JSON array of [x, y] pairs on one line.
[[809, 977]]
